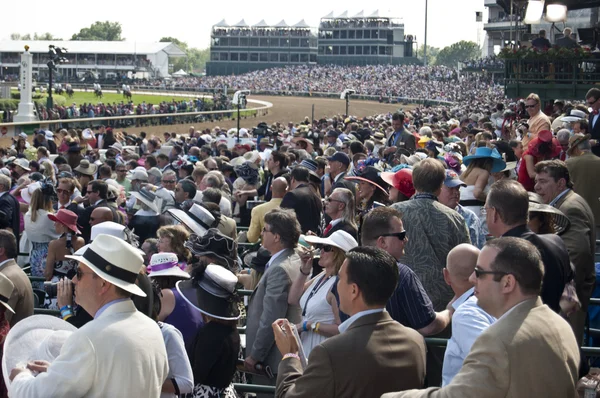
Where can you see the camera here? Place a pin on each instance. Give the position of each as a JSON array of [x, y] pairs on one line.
[[51, 289]]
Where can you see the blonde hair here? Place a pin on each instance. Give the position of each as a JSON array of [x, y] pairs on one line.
[[533, 96], [49, 170], [39, 201]]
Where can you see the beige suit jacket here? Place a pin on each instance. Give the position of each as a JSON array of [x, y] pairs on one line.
[[257, 220], [529, 352], [21, 299], [375, 355], [584, 171], [580, 240]]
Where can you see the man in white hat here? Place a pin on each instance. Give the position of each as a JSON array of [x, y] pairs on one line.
[[121, 353]]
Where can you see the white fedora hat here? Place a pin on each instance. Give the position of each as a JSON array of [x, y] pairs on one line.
[[149, 198], [6, 289], [165, 264], [198, 219], [22, 163], [340, 239], [26, 194], [107, 228], [115, 261], [37, 337]]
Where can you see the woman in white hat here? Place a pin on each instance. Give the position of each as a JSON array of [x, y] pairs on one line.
[[164, 270], [216, 347], [320, 315], [39, 228], [6, 289]]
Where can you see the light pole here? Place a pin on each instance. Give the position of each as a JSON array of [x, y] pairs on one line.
[[238, 97], [346, 96], [425, 43], [56, 57]]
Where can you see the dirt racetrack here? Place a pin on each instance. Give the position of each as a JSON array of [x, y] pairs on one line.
[[285, 109]]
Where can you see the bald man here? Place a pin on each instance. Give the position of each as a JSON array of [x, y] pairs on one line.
[[469, 320], [100, 215], [257, 217]]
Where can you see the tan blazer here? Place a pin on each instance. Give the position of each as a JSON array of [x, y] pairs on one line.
[[584, 171], [580, 240], [21, 299], [375, 355], [529, 352]]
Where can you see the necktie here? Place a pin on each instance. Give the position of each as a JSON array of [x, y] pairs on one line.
[[327, 229]]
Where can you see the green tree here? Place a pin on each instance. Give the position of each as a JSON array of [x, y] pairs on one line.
[[458, 52], [195, 59], [100, 31], [432, 53], [36, 36]]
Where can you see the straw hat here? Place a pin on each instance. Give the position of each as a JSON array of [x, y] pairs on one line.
[[165, 264], [149, 198], [213, 294], [86, 168], [22, 163], [37, 337], [575, 140], [115, 261]]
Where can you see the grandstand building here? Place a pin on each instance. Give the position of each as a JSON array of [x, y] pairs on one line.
[[364, 40], [341, 40], [242, 48], [102, 59]]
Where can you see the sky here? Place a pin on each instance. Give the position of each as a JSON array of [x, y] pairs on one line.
[[191, 21]]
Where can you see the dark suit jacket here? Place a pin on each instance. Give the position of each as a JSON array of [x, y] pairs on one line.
[[556, 263], [84, 220], [406, 141], [567, 42], [343, 183], [10, 206], [594, 130], [307, 205], [21, 299], [343, 226], [374, 356], [106, 141], [74, 207], [145, 226]]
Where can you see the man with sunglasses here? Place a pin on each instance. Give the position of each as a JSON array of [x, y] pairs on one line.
[[530, 351], [538, 121], [593, 101]]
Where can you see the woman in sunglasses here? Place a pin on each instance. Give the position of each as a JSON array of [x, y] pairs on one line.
[[320, 317]]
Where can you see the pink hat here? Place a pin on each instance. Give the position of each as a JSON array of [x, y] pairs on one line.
[[66, 218]]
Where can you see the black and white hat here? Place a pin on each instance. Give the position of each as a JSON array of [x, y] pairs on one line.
[[213, 293]]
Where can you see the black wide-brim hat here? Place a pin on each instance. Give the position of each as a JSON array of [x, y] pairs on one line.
[[371, 175]]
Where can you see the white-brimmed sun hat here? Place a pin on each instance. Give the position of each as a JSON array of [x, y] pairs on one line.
[[22, 163], [149, 198], [198, 219], [37, 337], [165, 264], [115, 261], [27, 193], [340, 239]]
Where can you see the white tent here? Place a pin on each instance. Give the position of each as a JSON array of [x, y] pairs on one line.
[[179, 73], [343, 15], [241, 24], [359, 15], [222, 24], [282, 24], [328, 16], [301, 24], [375, 14]]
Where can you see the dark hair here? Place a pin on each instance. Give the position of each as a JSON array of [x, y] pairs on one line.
[[105, 171], [357, 147], [99, 186], [162, 156], [60, 160], [281, 157], [398, 116], [510, 200], [593, 93], [556, 169], [583, 125], [211, 195], [9, 243], [428, 175], [374, 271], [283, 222], [300, 174], [205, 149], [377, 223], [520, 258], [151, 160], [189, 187]]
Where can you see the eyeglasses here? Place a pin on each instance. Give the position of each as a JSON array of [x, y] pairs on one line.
[[326, 248], [79, 273], [121, 170], [169, 181], [400, 235], [479, 272], [484, 210], [593, 102], [329, 199], [265, 230], [63, 191], [530, 106]]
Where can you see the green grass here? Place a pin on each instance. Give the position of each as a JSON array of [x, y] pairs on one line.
[[80, 97]]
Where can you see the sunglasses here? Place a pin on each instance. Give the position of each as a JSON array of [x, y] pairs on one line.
[[479, 272], [79, 273], [169, 181], [328, 199], [326, 248], [530, 106], [399, 235], [62, 191]]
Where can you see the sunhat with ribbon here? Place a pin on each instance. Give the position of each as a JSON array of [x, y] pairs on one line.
[[197, 219], [487, 153], [340, 239], [37, 337], [401, 180], [165, 264], [66, 218], [115, 261], [148, 198], [212, 293], [371, 175], [575, 140]]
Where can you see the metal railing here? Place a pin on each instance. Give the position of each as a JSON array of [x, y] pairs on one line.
[[560, 71]]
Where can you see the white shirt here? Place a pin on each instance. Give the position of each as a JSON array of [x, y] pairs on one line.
[[273, 257], [594, 120], [468, 322], [180, 368], [348, 322]]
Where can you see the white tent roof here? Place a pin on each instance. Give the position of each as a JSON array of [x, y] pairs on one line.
[[93, 47], [375, 14], [179, 73], [359, 15], [329, 16], [222, 24], [261, 24], [282, 24], [301, 24], [241, 24], [343, 15]]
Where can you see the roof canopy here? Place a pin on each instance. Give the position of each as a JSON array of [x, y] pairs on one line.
[[261, 24], [222, 24], [241, 24], [93, 47], [375, 14], [343, 15], [301, 24], [329, 16], [282, 24], [361, 14]]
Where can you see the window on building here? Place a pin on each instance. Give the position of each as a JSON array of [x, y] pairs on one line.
[[313, 57], [381, 50], [328, 50], [343, 34], [366, 50], [336, 50], [273, 57], [373, 50], [304, 43], [351, 34], [264, 42], [214, 56], [244, 57], [253, 57], [244, 42], [350, 50], [284, 43], [374, 34], [367, 34], [295, 58], [254, 42], [295, 42], [234, 56], [224, 57], [224, 41], [215, 41], [359, 34], [321, 50], [342, 50], [336, 34], [274, 43], [359, 50], [234, 42], [304, 58], [263, 57], [284, 57]]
